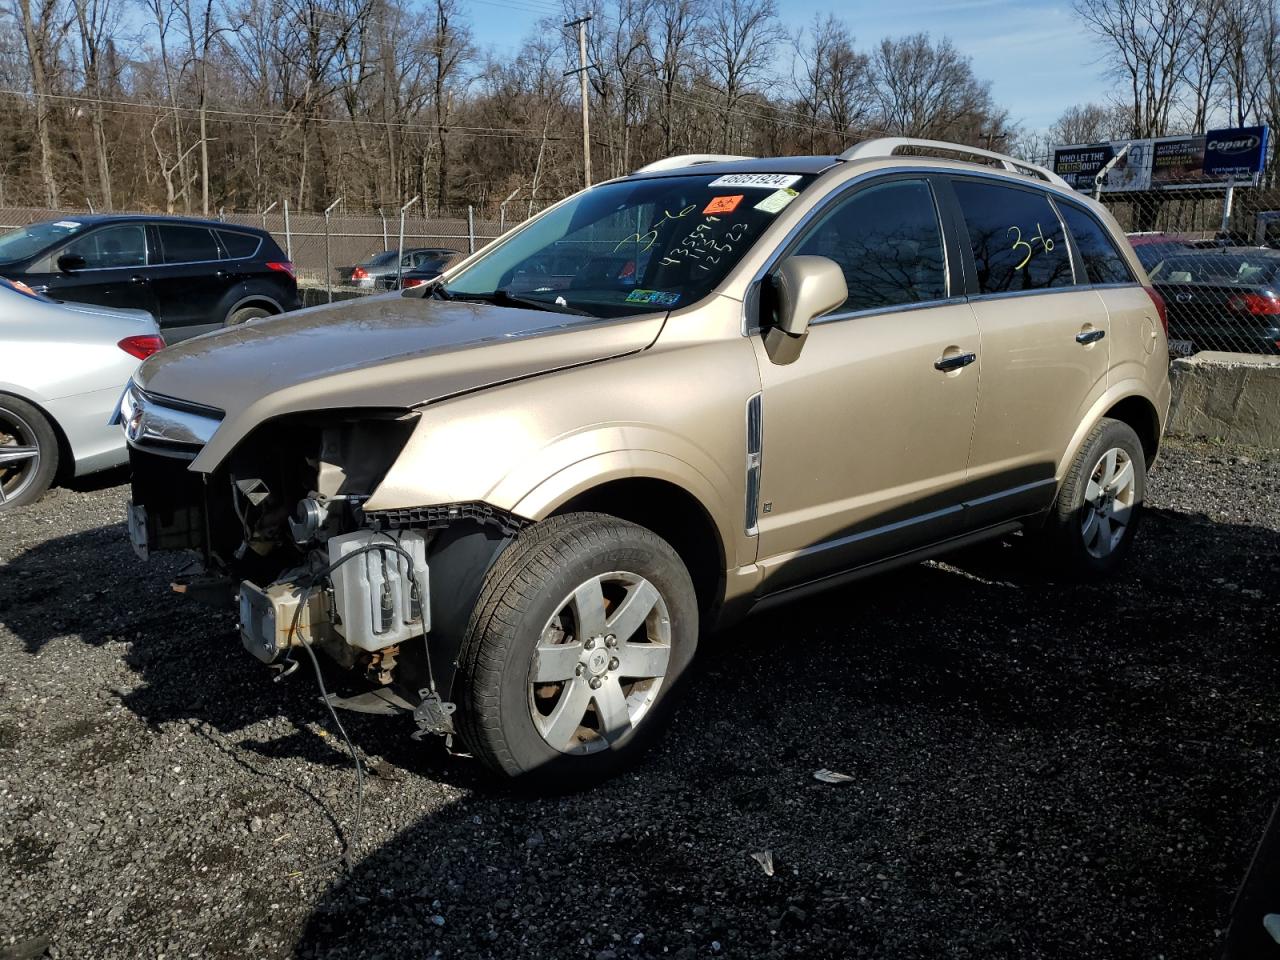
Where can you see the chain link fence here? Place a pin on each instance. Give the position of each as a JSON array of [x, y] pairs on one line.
[[325, 248], [1214, 256]]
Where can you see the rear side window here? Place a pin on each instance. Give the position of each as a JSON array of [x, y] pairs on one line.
[[1102, 261], [1017, 241], [887, 241], [238, 245], [186, 244]]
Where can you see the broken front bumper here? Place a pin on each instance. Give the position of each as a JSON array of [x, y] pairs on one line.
[[368, 594]]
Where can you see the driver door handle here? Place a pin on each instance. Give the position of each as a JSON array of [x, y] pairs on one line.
[[954, 362], [138, 278]]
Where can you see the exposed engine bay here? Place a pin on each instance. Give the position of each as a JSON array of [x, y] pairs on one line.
[[279, 527]]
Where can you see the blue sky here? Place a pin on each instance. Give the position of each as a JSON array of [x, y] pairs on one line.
[[1038, 56]]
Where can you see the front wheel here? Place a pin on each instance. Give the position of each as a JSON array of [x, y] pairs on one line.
[[578, 641], [1096, 514]]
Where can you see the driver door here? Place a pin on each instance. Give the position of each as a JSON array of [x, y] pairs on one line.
[[114, 273], [865, 440]]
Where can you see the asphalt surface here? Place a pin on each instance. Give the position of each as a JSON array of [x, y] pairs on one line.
[[1038, 769]]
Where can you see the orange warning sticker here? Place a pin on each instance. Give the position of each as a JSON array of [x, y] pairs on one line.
[[723, 204]]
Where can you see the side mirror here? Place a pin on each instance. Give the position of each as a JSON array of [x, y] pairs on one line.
[[70, 262], [803, 288]]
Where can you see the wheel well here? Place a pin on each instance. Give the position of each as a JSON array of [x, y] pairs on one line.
[[673, 514], [66, 458], [1139, 414], [264, 302]]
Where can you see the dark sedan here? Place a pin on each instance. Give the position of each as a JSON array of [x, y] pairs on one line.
[[381, 267], [1226, 299], [423, 272], [193, 276]]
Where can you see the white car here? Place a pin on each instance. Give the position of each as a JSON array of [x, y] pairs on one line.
[[62, 369]]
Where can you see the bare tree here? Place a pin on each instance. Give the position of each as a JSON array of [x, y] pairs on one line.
[[673, 29], [1089, 123], [43, 30], [1148, 44], [929, 90], [739, 37], [96, 25]]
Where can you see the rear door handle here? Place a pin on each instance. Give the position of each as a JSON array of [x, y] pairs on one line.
[[1090, 336], [954, 362], [138, 278]]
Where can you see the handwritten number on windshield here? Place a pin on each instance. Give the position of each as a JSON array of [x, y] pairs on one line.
[[1045, 242], [651, 237]]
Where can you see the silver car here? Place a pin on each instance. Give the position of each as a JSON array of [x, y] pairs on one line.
[[62, 368]]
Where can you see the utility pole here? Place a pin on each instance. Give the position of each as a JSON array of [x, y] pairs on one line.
[[581, 24]]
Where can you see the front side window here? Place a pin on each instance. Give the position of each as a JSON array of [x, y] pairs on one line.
[[1017, 242], [123, 245], [1102, 261], [887, 241], [187, 244], [634, 246]]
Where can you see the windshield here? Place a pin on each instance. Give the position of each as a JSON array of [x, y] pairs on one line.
[[632, 247], [1217, 268], [26, 242]]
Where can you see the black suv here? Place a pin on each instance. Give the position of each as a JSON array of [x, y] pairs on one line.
[[193, 276]]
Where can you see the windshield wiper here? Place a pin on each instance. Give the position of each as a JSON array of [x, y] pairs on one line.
[[504, 298]]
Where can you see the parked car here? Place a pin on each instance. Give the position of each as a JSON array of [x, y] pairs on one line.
[[426, 271], [510, 510], [1225, 299], [381, 266], [193, 276], [1153, 247], [62, 369]]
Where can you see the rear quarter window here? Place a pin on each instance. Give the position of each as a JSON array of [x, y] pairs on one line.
[[239, 245], [1017, 241], [1103, 262]]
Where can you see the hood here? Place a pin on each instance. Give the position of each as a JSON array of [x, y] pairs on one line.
[[388, 351]]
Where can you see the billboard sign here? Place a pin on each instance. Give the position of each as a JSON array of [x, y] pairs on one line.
[[1079, 164], [1167, 163], [1239, 152]]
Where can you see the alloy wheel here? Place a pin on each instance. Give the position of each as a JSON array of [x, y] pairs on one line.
[[19, 455], [600, 662], [1109, 499]]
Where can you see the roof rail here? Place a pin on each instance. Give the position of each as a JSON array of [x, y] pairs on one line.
[[688, 160], [888, 146]]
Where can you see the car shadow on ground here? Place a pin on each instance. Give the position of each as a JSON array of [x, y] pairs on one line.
[[1039, 768]]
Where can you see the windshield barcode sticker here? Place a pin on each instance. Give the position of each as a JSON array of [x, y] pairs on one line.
[[765, 181]]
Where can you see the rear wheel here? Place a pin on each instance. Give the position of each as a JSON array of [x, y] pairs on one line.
[[237, 317], [28, 453], [581, 634], [1096, 514]]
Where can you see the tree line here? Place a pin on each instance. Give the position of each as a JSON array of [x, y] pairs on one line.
[[197, 105]]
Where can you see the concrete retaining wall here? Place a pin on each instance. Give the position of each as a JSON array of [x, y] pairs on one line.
[[1231, 397], [314, 296]]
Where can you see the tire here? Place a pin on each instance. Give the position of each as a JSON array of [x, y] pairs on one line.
[[1095, 517], [519, 724], [28, 453], [237, 317]]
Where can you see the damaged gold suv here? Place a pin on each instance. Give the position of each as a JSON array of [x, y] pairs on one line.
[[506, 504]]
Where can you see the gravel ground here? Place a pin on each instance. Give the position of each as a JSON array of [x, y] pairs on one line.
[[1039, 770]]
